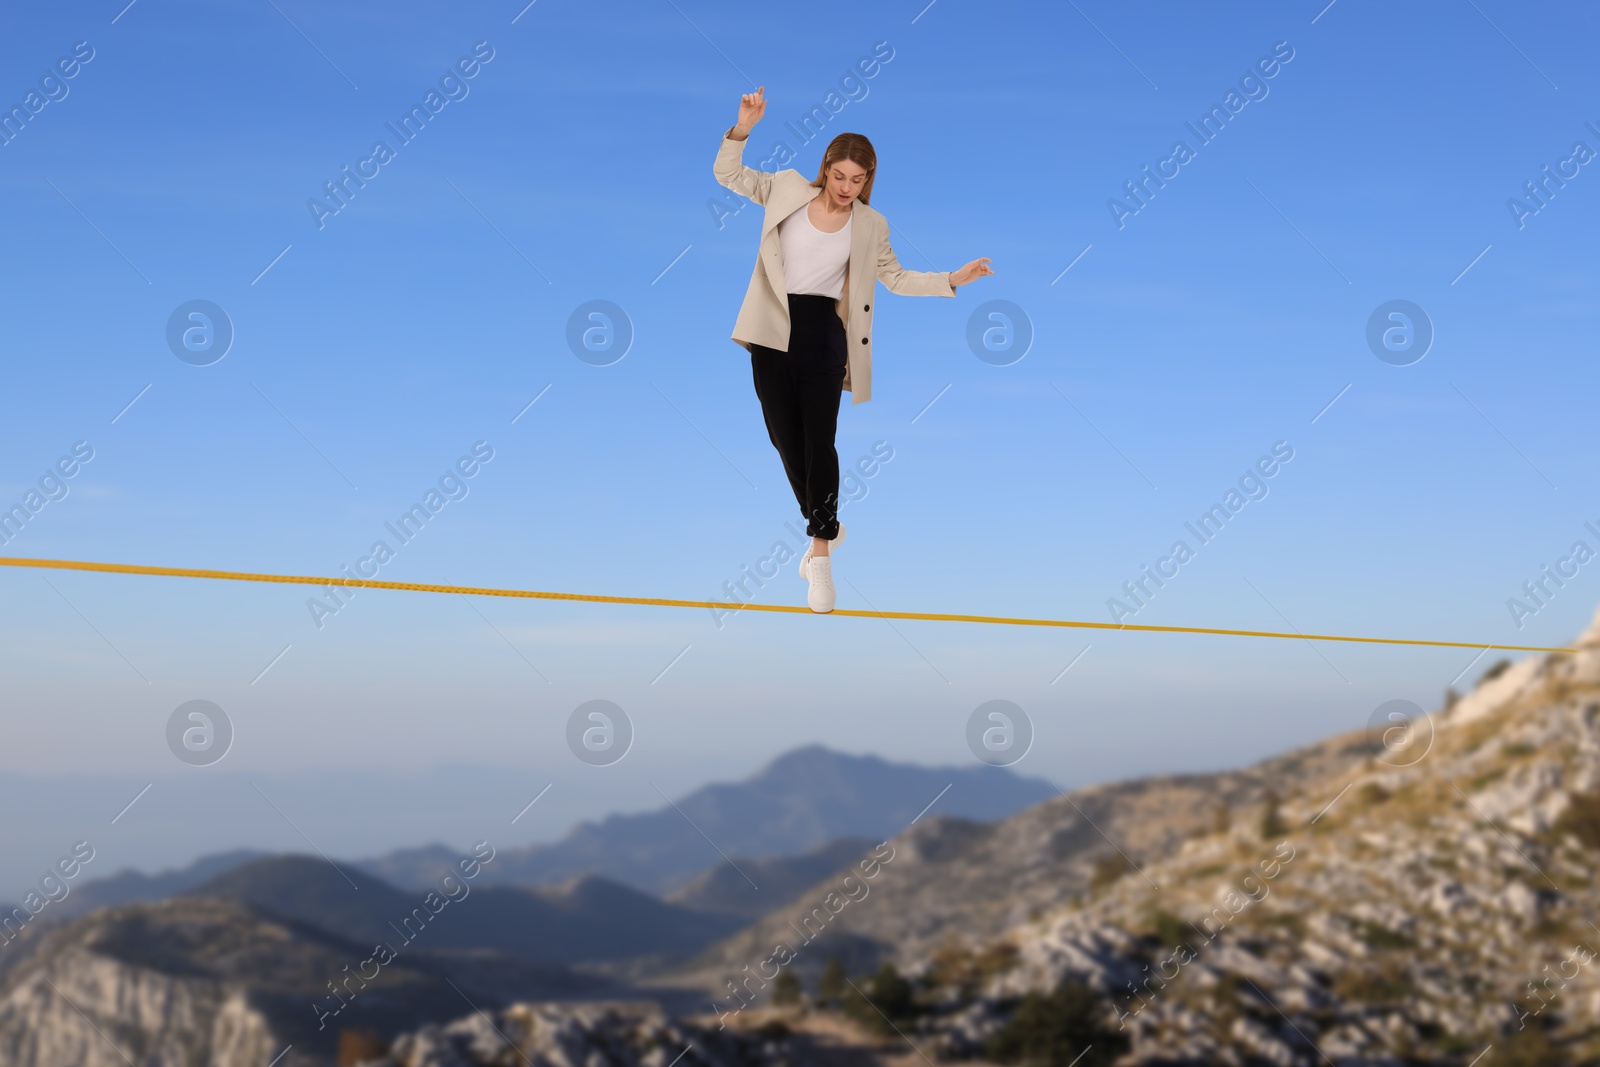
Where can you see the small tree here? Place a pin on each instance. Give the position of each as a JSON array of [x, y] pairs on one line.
[[882, 1000], [1581, 819], [786, 989], [1530, 1047], [1107, 869], [831, 986], [1272, 824], [1168, 929], [1221, 817], [1499, 667], [1057, 1029]]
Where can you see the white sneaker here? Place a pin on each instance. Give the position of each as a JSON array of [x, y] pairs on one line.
[[805, 560], [820, 595]]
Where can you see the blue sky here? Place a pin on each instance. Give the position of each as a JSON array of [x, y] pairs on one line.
[[1223, 316]]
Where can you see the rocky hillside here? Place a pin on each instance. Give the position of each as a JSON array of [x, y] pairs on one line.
[[598, 1034], [627, 1034], [1417, 893], [216, 982], [952, 879], [1418, 905]]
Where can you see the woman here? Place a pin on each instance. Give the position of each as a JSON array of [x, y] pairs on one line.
[[807, 314]]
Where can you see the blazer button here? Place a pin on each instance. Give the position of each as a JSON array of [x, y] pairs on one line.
[[863, 340], [867, 308]]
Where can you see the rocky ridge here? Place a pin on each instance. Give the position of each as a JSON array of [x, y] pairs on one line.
[[208, 981], [1417, 905]]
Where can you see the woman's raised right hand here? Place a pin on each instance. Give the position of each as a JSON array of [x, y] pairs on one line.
[[751, 107]]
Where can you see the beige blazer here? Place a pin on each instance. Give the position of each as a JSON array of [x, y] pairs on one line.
[[764, 315]]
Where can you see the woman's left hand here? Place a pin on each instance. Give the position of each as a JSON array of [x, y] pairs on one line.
[[972, 271]]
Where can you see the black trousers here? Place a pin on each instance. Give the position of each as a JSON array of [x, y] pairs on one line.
[[800, 392]]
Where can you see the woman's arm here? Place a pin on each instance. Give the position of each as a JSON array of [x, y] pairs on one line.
[[729, 168], [731, 171], [909, 282], [924, 283]]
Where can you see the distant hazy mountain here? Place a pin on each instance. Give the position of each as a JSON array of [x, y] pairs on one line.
[[756, 887], [781, 821], [586, 920], [798, 802], [129, 886]]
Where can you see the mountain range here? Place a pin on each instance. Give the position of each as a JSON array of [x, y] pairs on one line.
[[794, 815], [1354, 901], [800, 801], [242, 944]]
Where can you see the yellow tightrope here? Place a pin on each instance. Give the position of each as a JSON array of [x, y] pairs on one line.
[[418, 587]]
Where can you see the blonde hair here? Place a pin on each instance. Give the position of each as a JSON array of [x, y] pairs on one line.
[[858, 150]]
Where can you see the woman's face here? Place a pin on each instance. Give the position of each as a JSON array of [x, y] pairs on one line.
[[845, 179]]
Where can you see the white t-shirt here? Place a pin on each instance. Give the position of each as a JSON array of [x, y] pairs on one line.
[[813, 261]]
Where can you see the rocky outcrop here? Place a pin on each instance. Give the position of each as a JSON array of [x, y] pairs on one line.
[[92, 1010], [82, 997], [602, 1034], [206, 982]]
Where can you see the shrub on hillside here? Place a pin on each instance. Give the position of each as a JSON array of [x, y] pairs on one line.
[[881, 1002], [786, 989], [1581, 819], [1066, 1026]]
